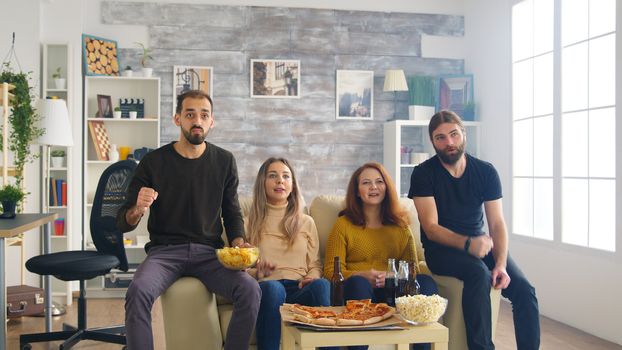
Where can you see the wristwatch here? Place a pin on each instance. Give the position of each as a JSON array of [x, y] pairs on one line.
[[467, 244]]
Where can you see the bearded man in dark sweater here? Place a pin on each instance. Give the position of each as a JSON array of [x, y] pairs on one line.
[[190, 188]]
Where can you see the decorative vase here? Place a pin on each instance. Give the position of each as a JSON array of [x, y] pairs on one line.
[[127, 73], [133, 114], [60, 83], [116, 114], [57, 162], [113, 155], [8, 209]]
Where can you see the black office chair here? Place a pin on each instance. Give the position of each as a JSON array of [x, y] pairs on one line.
[[82, 265]]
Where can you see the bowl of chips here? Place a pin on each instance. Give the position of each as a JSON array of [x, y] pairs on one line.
[[421, 309], [237, 258]]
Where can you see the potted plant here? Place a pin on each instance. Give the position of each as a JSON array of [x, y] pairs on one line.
[[421, 92], [10, 196], [24, 121], [58, 81], [144, 60], [133, 112], [127, 72], [117, 112], [58, 158]]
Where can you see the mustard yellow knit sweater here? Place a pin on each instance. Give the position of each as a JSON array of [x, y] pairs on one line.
[[363, 249]]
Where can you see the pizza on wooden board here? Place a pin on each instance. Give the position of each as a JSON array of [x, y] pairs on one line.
[[356, 313]]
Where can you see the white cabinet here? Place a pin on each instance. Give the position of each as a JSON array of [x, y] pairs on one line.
[[406, 143], [123, 132], [57, 185]]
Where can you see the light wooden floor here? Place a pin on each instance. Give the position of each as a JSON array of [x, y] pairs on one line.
[[102, 312]]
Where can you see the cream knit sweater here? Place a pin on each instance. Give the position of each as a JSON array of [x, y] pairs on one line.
[[301, 259]]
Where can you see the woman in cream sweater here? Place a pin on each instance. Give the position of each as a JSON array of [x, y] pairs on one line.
[[289, 269]]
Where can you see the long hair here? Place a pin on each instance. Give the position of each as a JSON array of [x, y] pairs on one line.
[[390, 211], [444, 116], [257, 216]]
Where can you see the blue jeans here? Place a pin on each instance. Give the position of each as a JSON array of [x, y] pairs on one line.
[[273, 295], [476, 275], [357, 287]]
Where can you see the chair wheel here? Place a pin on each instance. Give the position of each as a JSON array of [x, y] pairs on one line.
[[26, 347]]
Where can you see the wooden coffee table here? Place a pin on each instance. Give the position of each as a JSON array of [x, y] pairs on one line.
[[436, 333]]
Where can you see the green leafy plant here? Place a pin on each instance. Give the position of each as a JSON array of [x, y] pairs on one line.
[[57, 153], [128, 68], [468, 111], [145, 56], [117, 109], [23, 120], [56, 74], [422, 90], [11, 193]]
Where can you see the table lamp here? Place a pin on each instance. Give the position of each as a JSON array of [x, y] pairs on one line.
[[394, 81]]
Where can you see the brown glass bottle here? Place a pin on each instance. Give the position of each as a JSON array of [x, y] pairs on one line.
[[413, 285], [336, 284]]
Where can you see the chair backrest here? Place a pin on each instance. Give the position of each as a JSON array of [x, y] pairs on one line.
[[110, 195]]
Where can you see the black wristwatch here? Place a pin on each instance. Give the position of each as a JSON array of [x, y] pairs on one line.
[[467, 244]]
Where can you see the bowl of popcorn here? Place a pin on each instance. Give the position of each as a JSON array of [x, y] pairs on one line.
[[421, 309], [237, 258]]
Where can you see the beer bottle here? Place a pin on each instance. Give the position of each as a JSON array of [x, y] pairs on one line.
[[402, 279], [413, 285], [336, 284], [390, 282]]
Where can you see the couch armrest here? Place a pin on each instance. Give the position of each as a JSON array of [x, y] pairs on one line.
[[190, 317]]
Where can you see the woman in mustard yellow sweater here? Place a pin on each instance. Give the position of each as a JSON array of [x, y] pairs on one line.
[[371, 229], [289, 269]]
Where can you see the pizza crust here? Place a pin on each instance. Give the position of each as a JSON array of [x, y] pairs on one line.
[[373, 320], [346, 322], [324, 321]]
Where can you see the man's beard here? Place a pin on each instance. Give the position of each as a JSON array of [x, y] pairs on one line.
[[451, 159], [195, 139]]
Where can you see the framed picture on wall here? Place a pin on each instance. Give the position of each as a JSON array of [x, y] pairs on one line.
[[355, 94], [191, 78], [99, 56], [275, 78], [455, 92]]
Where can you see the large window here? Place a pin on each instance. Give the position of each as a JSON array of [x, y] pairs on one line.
[[564, 125]]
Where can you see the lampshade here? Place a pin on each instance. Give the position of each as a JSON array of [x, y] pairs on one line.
[[395, 80], [55, 122]]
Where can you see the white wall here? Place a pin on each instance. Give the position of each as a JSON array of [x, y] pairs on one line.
[[22, 18], [575, 286]]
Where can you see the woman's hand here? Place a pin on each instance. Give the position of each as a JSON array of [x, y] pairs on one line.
[[264, 268], [375, 278], [303, 282]]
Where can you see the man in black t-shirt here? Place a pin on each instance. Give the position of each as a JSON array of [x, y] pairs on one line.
[[190, 189], [451, 192]]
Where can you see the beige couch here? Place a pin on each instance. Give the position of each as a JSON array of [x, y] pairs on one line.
[[196, 319]]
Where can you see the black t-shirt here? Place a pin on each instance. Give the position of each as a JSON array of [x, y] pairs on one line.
[[459, 201], [195, 197]]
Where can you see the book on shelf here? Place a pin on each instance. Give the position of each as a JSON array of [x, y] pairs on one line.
[[58, 193], [64, 194]]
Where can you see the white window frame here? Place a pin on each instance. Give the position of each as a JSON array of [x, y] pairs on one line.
[[556, 242]]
